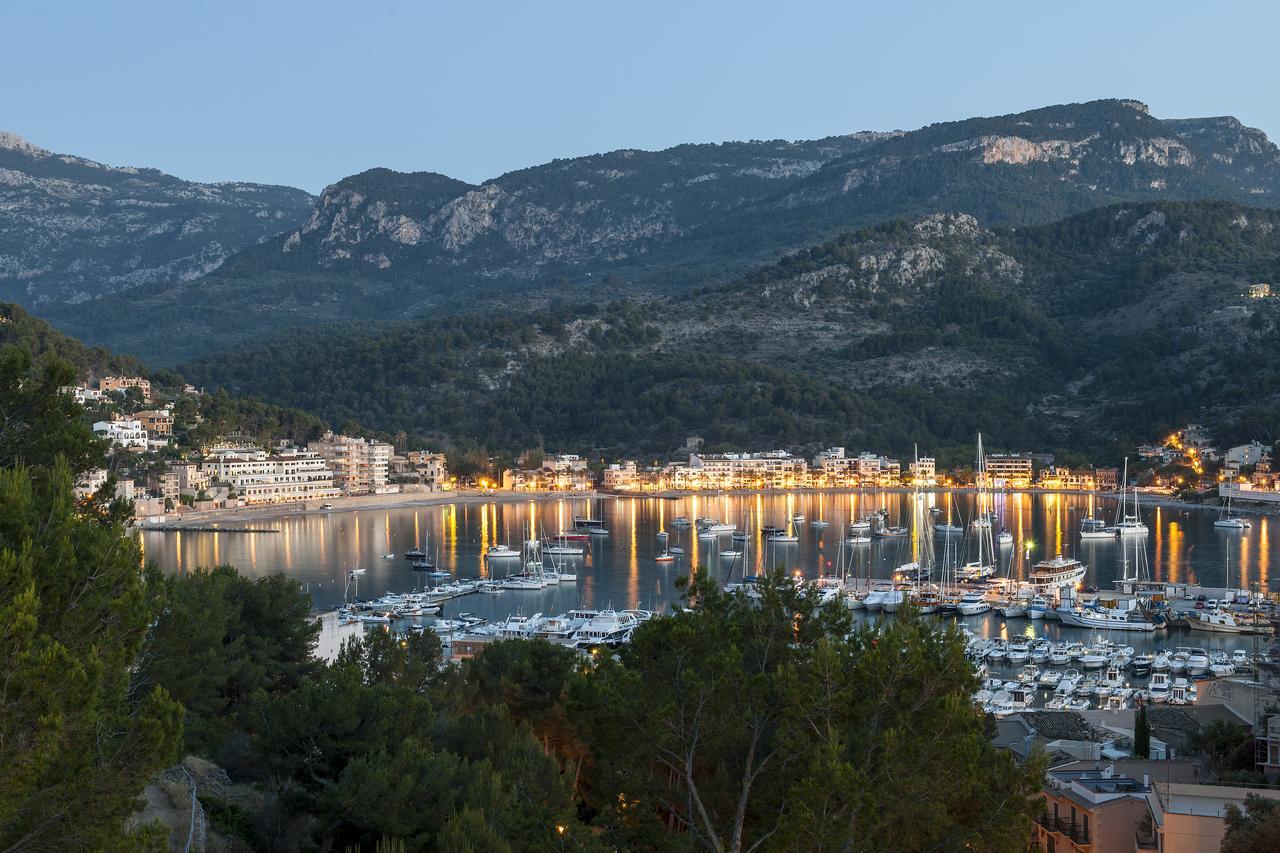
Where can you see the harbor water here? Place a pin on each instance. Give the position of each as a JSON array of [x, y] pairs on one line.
[[619, 570]]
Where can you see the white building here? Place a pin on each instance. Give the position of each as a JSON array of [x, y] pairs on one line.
[[925, 470], [289, 474], [1246, 454], [772, 469], [359, 465], [122, 433], [90, 481]]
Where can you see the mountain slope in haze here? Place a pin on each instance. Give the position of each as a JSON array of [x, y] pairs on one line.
[[385, 245], [1085, 334], [72, 230]]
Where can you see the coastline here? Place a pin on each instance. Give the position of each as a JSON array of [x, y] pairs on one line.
[[401, 500], [398, 500]]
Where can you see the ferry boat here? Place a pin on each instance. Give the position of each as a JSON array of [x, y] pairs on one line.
[[607, 626], [1051, 575]]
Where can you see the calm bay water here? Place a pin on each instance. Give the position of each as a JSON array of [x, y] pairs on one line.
[[620, 571]]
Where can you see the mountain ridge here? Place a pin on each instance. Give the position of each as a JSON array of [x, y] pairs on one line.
[[390, 245], [73, 229]]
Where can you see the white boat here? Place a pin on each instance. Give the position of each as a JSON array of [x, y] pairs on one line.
[[1058, 655], [1182, 692], [890, 532], [862, 525], [1093, 658], [1222, 621], [893, 600], [1119, 618], [497, 552], [948, 529], [1095, 528], [1158, 687], [665, 557], [1197, 662], [1005, 539], [681, 521], [858, 540], [607, 626], [1048, 576], [562, 550], [1038, 607], [1227, 521], [975, 571], [783, 538], [973, 603], [1130, 523], [818, 524], [1018, 651], [1050, 678]]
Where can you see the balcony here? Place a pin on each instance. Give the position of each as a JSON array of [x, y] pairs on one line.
[[1072, 829]]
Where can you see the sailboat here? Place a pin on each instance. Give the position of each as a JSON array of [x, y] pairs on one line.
[[985, 566], [1092, 527], [1227, 521], [1129, 523]]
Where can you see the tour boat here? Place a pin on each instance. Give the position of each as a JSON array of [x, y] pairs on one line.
[[1052, 575]]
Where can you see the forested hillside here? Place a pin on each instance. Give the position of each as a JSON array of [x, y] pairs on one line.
[[1092, 332]]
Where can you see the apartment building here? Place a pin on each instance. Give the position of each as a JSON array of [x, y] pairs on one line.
[[1009, 470], [359, 465], [839, 467], [924, 470], [431, 467], [771, 469], [90, 481], [288, 474], [1092, 811], [157, 422], [120, 384], [165, 485], [122, 433], [622, 477]]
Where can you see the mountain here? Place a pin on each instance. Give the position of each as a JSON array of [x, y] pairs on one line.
[[72, 230], [387, 245], [1085, 335]]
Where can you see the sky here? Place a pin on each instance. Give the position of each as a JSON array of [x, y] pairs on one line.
[[304, 94]]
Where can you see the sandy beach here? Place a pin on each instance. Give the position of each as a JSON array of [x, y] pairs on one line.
[[243, 515]]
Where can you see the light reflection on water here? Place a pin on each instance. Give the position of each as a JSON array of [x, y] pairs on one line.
[[620, 571]]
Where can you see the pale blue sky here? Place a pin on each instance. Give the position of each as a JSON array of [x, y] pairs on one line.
[[306, 93]]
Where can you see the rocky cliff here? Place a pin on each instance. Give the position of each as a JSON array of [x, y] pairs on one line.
[[72, 230]]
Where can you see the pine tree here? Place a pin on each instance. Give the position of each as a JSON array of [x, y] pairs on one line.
[[79, 735], [1142, 734]]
